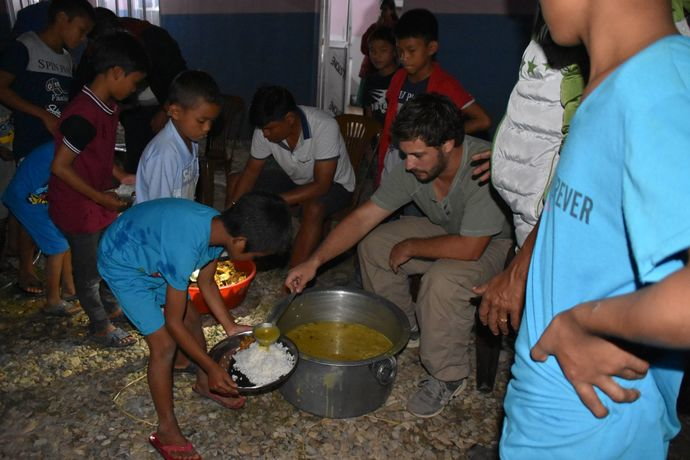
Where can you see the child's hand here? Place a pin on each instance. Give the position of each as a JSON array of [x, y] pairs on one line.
[[111, 201], [219, 381], [51, 123], [236, 329], [129, 179]]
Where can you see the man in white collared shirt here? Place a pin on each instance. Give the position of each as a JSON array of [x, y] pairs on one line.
[[315, 171]]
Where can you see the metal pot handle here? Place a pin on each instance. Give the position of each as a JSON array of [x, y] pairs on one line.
[[385, 370]]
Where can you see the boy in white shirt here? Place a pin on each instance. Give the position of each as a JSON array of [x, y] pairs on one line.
[[169, 166]]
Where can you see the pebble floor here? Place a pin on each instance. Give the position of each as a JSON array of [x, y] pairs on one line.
[[62, 397]]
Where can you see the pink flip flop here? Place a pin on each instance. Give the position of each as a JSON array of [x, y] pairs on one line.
[[168, 452]]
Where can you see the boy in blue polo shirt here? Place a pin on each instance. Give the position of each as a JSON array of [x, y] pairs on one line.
[[147, 256], [169, 166]]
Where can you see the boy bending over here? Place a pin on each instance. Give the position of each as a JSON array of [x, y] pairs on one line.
[[147, 257]]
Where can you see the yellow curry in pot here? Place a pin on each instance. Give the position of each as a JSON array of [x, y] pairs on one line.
[[338, 341]]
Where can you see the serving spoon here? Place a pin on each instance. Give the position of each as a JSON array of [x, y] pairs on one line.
[[267, 333]]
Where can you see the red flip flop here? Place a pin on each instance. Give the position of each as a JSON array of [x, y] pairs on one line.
[[168, 452]]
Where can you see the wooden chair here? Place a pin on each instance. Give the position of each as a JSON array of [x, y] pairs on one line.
[[359, 132], [226, 129]]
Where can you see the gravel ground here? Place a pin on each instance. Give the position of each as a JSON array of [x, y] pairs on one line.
[[63, 397]]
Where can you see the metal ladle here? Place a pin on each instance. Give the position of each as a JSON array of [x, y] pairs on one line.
[[267, 333]]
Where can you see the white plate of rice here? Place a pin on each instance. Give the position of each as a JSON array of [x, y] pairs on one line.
[[253, 368]]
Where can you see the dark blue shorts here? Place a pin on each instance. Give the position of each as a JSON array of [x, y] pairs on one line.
[[275, 180]]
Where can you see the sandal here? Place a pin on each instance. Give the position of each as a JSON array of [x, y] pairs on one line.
[[168, 452], [117, 338], [70, 298], [31, 289], [62, 308]]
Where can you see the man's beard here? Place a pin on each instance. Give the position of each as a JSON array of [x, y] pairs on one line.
[[434, 172]]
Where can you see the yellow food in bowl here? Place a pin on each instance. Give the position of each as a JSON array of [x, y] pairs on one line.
[[226, 274]]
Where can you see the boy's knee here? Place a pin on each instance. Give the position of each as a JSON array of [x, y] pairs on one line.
[[191, 318], [161, 345], [313, 211]]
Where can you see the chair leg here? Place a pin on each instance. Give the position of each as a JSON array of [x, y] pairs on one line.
[[487, 349], [206, 182]]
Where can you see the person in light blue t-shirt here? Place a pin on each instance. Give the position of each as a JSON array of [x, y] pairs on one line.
[[147, 256], [25, 197], [610, 260], [169, 166]]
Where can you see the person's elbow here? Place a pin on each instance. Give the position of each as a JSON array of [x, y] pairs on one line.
[[58, 169], [484, 122], [476, 118]]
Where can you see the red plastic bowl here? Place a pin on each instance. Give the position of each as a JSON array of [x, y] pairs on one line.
[[233, 294]]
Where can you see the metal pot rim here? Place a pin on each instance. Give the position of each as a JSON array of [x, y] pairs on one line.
[[395, 349]]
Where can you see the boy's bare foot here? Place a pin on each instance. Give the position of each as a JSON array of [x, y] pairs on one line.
[[225, 401]]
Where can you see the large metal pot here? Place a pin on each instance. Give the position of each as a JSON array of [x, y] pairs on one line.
[[341, 389]]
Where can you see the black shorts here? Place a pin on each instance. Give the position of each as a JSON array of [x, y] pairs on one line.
[[275, 180]]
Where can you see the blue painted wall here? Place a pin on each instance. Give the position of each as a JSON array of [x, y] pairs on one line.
[[483, 52], [244, 51]]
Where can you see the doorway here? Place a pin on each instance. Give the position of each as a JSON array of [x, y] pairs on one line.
[[342, 24]]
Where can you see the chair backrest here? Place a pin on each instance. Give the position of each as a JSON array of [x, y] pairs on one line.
[[358, 132], [226, 127]]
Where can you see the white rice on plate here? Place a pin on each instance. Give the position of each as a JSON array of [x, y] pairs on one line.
[[263, 366]]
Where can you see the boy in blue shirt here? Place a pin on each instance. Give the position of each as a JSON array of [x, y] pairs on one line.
[[169, 166], [610, 259], [25, 197], [147, 256]]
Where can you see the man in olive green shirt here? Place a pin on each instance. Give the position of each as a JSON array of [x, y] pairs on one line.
[[462, 241]]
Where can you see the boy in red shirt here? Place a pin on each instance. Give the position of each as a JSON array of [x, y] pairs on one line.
[[417, 37], [83, 170]]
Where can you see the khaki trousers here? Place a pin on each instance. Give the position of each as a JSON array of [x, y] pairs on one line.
[[443, 308]]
